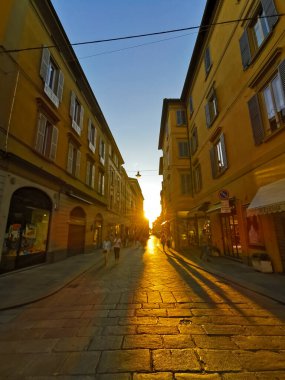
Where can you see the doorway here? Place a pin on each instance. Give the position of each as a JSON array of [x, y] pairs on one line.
[[231, 235]]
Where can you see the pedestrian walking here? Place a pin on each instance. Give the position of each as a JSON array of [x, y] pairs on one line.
[[205, 247], [117, 243], [106, 246], [163, 240]]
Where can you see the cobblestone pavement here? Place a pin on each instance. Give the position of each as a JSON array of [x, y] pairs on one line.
[[151, 316]]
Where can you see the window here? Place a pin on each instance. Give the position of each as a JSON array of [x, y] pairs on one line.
[[207, 60], [102, 148], [76, 113], [52, 76], [270, 102], [101, 183], [197, 178], [91, 136], [185, 179], [46, 138], [73, 160], [90, 173], [218, 157], [257, 31], [211, 108], [194, 140], [183, 148], [180, 117]]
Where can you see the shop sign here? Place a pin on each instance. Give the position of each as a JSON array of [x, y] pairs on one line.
[[225, 207]]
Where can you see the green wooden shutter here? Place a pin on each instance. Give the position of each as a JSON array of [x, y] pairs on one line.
[[81, 117], [72, 104], [245, 50], [40, 138], [60, 85], [70, 158], [93, 176], [256, 120], [54, 139], [88, 172], [208, 116], [270, 11], [89, 131], [213, 162], [45, 63], [77, 169], [281, 69]]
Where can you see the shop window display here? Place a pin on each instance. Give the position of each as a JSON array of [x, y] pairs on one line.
[[26, 232]]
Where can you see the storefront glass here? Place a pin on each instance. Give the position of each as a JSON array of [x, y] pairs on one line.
[[27, 230]]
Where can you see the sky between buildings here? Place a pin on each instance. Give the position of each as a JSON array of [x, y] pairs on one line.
[[130, 78]]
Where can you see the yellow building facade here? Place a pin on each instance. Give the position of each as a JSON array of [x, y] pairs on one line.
[[234, 93], [57, 152]]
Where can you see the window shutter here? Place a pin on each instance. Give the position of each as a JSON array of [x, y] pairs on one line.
[[60, 85], [178, 117], [281, 69], [208, 116], [93, 177], [87, 172], [89, 131], [213, 162], [45, 63], [270, 10], [77, 169], [183, 117], [245, 50], [103, 184], [54, 139], [223, 146], [70, 158], [72, 104], [256, 120], [81, 117], [41, 133], [207, 59], [191, 108]]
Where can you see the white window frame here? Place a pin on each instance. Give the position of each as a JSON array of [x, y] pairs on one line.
[[76, 113], [183, 149], [218, 155], [92, 132], [53, 78], [274, 101], [90, 173], [185, 183], [211, 108], [102, 151], [180, 117], [101, 183], [73, 160]]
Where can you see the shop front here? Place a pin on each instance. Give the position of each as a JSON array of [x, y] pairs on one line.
[[267, 228], [26, 235]]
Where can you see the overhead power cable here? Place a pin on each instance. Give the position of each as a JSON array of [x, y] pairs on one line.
[[144, 34]]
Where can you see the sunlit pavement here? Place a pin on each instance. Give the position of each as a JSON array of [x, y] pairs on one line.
[[151, 316]]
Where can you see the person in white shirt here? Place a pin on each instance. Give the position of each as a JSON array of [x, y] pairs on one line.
[[107, 245], [117, 243]]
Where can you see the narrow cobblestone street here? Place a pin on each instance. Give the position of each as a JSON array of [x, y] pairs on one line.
[[151, 316]]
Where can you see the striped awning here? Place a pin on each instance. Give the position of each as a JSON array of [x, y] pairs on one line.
[[268, 199]]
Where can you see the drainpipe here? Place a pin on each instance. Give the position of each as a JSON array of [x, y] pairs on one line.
[[11, 112]]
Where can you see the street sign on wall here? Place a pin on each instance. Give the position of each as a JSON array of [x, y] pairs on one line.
[[225, 206], [224, 194]]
